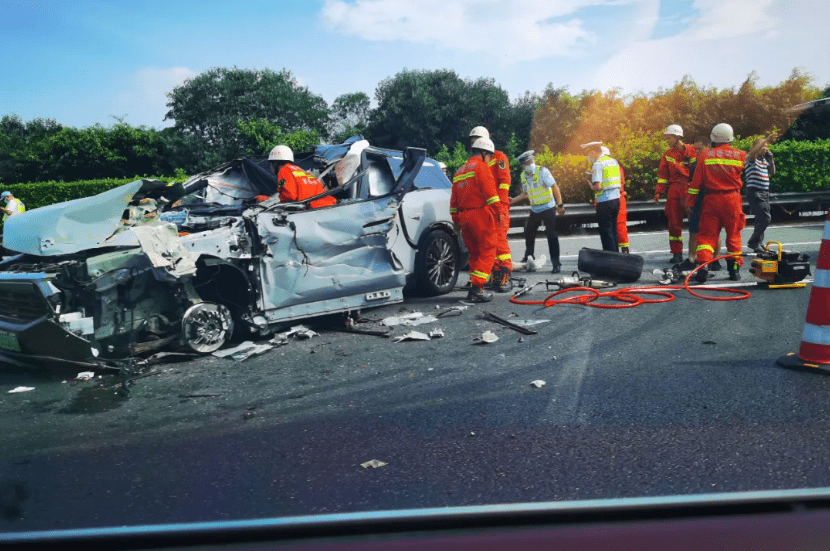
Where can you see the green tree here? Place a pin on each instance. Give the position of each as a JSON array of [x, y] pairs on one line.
[[432, 108], [349, 116], [211, 105]]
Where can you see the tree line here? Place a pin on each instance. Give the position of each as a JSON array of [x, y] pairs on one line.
[[225, 113]]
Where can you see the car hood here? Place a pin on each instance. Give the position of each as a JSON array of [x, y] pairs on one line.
[[73, 226]]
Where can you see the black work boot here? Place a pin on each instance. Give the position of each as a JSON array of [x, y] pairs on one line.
[[477, 294], [503, 283], [676, 258], [701, 275], [734, 270]]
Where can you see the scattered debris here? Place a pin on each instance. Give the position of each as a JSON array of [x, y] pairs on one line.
[[85, 376], [279, 340], [487, 337], [489, 316], [453, 311], [243, 351], [412, 336], [521, 339], [21, 389], [299, 332], [528, 323], [709, 342], [199, 395], [374, 463], [412, 319], [538, 383], [351, 327], [248, 415], [436, 333]]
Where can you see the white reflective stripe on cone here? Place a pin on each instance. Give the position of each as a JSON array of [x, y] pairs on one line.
[[816, 334], [822, 279]]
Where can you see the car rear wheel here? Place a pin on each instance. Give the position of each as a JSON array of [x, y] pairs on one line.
[[436, 263]]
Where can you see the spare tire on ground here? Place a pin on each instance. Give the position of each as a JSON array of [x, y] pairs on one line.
[[618, 266]]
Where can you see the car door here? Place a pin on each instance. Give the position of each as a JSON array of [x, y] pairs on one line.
[[319, 255]]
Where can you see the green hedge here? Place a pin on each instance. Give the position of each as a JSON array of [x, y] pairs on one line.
[[802, 166]]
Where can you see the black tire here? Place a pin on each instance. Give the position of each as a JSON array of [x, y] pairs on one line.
[[436, 263], [617, 266]]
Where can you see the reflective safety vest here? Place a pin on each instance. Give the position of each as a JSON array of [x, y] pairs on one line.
[[611, 178], [537, 192], [21, 208]]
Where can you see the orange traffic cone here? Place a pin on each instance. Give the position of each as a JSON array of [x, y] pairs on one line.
[[815, 340]]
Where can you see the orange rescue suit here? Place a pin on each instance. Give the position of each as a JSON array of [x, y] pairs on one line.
[[295, 184], [474, 206], [674, 174], [719, 173], [501, 173]]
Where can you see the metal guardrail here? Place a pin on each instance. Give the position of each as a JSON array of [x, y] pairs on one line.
[[784, 206]]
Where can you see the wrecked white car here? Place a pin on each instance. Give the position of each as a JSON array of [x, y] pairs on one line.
[[151, 264]]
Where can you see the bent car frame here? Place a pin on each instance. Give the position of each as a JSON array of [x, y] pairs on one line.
[[149, 264]]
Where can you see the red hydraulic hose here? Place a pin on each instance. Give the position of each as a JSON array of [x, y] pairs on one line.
[[629, 297]]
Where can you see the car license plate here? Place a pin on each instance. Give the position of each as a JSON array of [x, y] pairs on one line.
[[8, 341]]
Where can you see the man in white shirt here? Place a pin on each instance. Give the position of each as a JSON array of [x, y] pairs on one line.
[[12, 207]]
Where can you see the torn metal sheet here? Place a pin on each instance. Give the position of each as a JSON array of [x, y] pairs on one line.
[[412, 336], [412, 320], [243, 351], [374, 463], [538, 383], [436, 333], [20, 389], [488, 337], [163, 246]]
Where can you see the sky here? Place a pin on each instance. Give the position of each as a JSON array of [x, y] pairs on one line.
[[86, 62]]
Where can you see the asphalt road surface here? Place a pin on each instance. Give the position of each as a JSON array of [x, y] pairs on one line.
[[676, 398]]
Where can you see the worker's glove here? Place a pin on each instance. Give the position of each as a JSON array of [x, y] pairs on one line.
[[656, 198]]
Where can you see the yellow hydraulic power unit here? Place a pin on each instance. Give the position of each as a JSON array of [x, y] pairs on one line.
[[780, 267]]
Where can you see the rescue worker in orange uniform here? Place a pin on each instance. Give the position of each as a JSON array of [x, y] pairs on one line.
[[500, 166], [474, 207], [673, 173], [294, 183], [719, 173], [622, 217]]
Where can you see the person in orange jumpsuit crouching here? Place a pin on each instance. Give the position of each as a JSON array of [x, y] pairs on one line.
[[500, 166], [673, 173], [719, 173], [474, 207], [294, 183]]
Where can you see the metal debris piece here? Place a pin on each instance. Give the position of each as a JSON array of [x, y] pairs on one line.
[[279, 340], [85, 376], [489, 316], [413, 319], [300, 332], [528, 323], [525, 290], [374, 463], [351, 327], [454, 311], [412, 336], [436, 333], [21, 389], [243, 351], [487, 337], [538, 383]]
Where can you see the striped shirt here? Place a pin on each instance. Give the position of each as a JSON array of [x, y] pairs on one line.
[[756, 173]]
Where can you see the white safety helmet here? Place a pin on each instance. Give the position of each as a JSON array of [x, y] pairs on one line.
[[479, 132], [281, 153], [605, 151], [485, 144], [673, 130], [722, 133]]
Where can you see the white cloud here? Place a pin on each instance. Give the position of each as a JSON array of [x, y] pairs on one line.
[[145, 103], [724, 43], [518, 30]]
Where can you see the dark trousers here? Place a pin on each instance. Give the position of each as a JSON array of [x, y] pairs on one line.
[[759, 207], [607, 212], [532, 227]]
